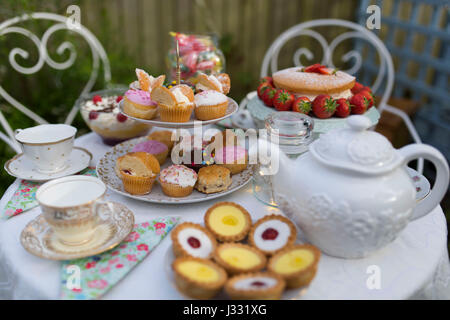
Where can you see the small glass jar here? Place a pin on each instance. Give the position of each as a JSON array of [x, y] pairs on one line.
[[198, 53], [292, 132]]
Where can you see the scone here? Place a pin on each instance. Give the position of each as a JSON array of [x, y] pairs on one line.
[[239, 258], [255, 286], [177, 180], [198, 278], [297, 264], [190, 239], [138, 104], [228, 221], [138, 171], [232, 158], [164, 136], [212, 179], [272, 233], [210, 104]]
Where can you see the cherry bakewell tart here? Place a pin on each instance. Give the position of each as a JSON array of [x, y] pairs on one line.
[[239, 258], [272, 233], [228, 221], [190, 239], [255, 286], [297, 264], [198, 278]]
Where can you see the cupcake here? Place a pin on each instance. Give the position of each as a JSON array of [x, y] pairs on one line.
[[210, 105], [138, 171], [156, 148], [232, 158], [174, 104], [164, 136], [146, 82], [212, 179], [177, 180], [138, 104]]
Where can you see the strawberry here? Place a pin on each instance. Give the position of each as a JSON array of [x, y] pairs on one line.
[[283, 100], [268, 96], [313, 68], [343, 108], [358, 103], [266, 79], [96, 99], [261, 88], [302, 105], [323, 70], [323, 106], [357, 87], [119, 98], [368, 94]]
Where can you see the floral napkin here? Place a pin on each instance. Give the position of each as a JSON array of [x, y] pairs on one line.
[[25, 196], [97, 274]]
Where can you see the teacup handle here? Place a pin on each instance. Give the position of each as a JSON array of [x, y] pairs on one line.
[[415, 151], [99, 203]]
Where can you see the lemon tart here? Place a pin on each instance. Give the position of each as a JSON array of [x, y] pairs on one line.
[[228, 221], [198, 278], [190, 239], [272, 233], [239, 258], [296, 264], [255, 286]]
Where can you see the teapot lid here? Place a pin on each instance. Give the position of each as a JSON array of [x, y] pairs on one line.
[[355, 148]]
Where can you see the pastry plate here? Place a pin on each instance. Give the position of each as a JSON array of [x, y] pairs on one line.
[[232, 108], [39, 239], [259, 111], [23, 168], [106, 172], [292, 294]]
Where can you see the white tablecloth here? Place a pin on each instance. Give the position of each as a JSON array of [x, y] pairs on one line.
[[415, 265]]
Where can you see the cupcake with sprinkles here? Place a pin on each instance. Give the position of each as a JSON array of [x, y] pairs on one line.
[[177, 181]]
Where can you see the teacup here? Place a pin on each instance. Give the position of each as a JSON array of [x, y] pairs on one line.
[[48, 146], [71, 207]]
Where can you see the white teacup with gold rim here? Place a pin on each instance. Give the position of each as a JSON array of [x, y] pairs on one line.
[[70, 205], [48, 146]]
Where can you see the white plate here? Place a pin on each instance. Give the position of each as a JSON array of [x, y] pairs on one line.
[[21, 167], [292, 294], [259, 111], [39, 239], [232, 108], [106, 172]]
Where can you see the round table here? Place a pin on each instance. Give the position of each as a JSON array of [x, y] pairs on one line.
[[415, 265]]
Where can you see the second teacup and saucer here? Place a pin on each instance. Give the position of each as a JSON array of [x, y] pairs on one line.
[[75, 222], [48, 153]]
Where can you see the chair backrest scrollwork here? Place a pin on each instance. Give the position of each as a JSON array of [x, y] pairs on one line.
[[99, 58]]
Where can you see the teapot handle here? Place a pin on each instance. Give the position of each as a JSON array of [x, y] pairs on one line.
[[414, 151]]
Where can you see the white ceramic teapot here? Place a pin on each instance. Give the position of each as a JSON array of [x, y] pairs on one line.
[[351, 193]]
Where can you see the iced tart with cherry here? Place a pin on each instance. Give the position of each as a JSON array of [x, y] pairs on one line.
[[190, 239], [198, 278], [272, 233], [228, 221], [255, 286]]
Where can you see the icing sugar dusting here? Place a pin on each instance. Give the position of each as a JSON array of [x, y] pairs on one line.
[[311, 80]]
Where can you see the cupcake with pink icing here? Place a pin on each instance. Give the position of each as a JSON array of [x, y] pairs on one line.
[[138, 104], [156, 148], [233, 158], [210, 104], [177, 180]]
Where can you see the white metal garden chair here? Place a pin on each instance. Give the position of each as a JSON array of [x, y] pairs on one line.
[[60, 23], [384, 77]]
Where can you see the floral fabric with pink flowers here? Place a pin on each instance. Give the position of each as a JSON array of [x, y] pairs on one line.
[[92, 277], [25, 196]]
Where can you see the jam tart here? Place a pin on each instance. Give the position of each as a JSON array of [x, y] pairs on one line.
[[228, 221], [272, 233], [190, 239], [239, 258], [255, 286], [296, 264], [198, 278]]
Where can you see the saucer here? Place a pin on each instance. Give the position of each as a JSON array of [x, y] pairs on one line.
[[21, 167], [39, 239], [421, 183]]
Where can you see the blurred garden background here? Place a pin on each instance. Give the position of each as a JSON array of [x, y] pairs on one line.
[[135, 33]]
